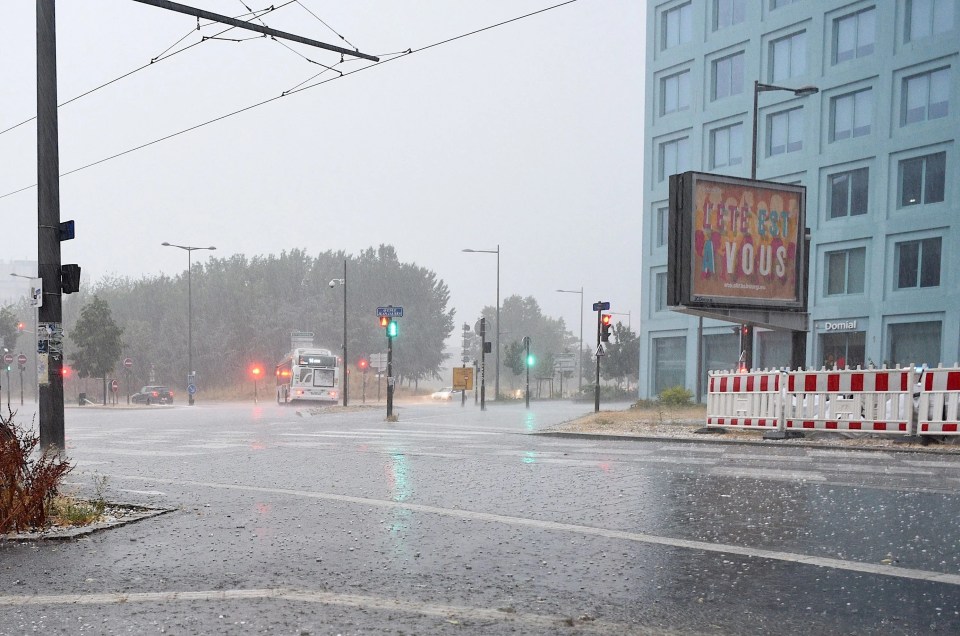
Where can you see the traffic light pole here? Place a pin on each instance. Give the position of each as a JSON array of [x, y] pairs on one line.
[[526, 359], [389, 377], [483, 355], [596, 388]]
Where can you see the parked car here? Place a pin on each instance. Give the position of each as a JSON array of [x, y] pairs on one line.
[[153, 395], [446, 393]]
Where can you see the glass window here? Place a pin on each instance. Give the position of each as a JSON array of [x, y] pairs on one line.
[[928, 17], [785, 132], [918, 263], [788, 57], [854, 35], [728, 76], [663, 225], [851, 115], [922, 179], [776, 4], [669, 363], [677, 25], [849, 193], [727, 146], [774, 349], [926, 96], [675, 93], [721, 352], [661, 291], [728, 12], [845, 271], [844, 349], [674, 157], [915, 343]]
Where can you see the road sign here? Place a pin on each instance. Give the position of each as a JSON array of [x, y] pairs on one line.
[[463, 378], [127, 363], [8, 358], [114, 386], [22, 360], [601, 306], [390, 312], [378, 361], [600, 351], [191, 389]]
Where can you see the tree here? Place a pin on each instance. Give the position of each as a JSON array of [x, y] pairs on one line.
[[514, 357], [98, 341], [623, 356], [8, 329]]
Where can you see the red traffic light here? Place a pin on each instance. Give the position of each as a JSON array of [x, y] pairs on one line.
[[256, 371], [362, 363], [21, 327], [66, 371], [605, 319], [384, 321]]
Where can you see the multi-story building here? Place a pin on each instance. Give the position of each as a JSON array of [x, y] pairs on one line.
[[875, 149]]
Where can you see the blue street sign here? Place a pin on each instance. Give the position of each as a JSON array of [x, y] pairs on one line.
[[191, 389], [390, 312], [601, 306]]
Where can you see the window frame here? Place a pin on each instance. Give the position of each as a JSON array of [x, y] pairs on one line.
[[682, 79], [856, 17], [847, 255], [861, 104], [798, 126], [926, 90], [924, 187], [731, 85], [795, 58], [728, 129], [850, 210], [684, 15], [919, 261], [735, 7], [662, 228], [933, 24], [680, 162]]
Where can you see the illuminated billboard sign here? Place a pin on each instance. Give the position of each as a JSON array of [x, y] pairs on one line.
[[736, 243]]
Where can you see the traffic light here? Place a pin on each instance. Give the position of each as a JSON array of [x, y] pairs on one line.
[[531, 360], [393, 329], [605, 327], [21, 327], [363, 364], [69, 278], [256, 372], [384, 321]]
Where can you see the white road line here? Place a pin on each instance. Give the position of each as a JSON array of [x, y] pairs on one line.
[[777, 474], [368, 602], [879, 470], [638, 537], [769, 458]]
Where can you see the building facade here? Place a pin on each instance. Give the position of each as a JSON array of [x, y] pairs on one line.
[[875, 149]]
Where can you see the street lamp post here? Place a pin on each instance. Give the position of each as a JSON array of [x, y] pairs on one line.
[[343, 283], [799, 339], [496, 385], [33, 339], [189, 249], [580, 352]]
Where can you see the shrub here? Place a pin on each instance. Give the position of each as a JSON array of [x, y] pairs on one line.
[[676, 396], [29, 479]]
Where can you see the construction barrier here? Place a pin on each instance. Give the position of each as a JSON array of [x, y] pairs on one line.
[[853, 401], [938, 410], [745, 400]]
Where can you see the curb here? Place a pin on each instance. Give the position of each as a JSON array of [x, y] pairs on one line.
[[65, 534]]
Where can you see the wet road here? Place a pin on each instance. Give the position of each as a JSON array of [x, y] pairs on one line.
[[451, 520]]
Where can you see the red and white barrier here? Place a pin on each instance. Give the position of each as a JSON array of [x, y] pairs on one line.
[[939, 406], [855, 401], [745, 400]]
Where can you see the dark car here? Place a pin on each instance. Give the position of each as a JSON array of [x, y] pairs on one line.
[[153, 395]]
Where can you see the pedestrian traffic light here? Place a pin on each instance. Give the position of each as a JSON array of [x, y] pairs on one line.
[[69, 278], [531, 360], [393, 329], [363, 364], [21, 327], [605, 327], [384, 321]]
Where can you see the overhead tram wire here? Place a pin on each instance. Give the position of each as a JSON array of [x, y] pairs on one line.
[[161, 57], [332, 30], [401, 55]]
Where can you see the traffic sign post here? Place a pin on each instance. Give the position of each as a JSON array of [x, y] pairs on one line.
[[114, 388], [7, 361], [22, 363], [599, 307], [127, 365]]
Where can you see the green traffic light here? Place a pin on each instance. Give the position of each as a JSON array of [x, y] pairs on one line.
[[392, 329], [531, 360]]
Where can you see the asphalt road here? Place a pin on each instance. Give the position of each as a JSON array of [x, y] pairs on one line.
[[290, 521]]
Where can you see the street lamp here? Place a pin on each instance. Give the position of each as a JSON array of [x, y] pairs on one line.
[[803, 91], [36, 309], [343, 283], [190, 375], [580, 352], [496, 386]]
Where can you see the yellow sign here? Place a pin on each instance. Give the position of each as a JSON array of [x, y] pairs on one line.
[[463, 378]]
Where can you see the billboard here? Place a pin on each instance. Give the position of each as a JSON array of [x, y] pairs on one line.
[[736, 243]]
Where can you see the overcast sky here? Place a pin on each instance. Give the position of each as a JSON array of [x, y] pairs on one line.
[[528, 135]]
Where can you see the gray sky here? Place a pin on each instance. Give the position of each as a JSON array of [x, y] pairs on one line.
[[528, 135]]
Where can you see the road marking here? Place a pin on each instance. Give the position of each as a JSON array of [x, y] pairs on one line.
[[638, 537], [777, 474], [367, 602]]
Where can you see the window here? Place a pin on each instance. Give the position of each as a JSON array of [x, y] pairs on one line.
[[851, 115], [728, 12], [788, 57], [918, 264], [922, 179], [673, 157], [728, 76], [677, 26], [669, 363], [785, 132], [675, 93], [928, 17], [854, 35], [915, 343], [663, 225], [845, 271], [926, 96], [776, 4], [726, 146], [661, 304], [848, 193]]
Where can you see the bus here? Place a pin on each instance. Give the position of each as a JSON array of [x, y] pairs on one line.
[[308, 374]]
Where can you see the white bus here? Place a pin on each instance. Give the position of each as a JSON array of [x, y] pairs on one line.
[[308, 374]]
